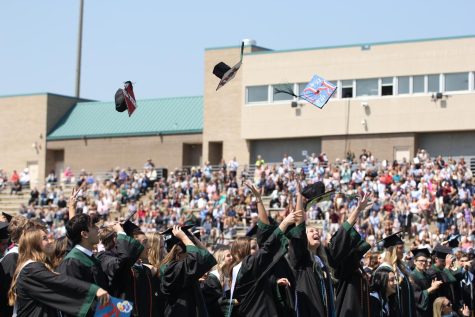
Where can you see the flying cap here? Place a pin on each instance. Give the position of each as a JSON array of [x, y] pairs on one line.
[[226, 73], [315, 193], [391, 240], [317, 92], [454, 241], [421, 252], [125, 99]]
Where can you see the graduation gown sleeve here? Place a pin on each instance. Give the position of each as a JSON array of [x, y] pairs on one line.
[[7, 269], [212, 293], [41, 292], [422, 298]]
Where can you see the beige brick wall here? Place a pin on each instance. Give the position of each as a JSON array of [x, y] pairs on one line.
[[381, 146], [23, 122], [104, 154]]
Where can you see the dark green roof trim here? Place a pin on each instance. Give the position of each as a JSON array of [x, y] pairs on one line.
[[363, 44], [44, 94], [121, 135]]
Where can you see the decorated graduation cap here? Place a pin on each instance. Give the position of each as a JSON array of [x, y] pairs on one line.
[[391, 240], [316, 193], [7, 216], [125, 99], [441, 251], [317, 92], [170, 240], [225, 72], [421, 252], [3, 230]]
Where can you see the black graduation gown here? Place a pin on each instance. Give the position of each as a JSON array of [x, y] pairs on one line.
[[467, 290], [346, 248], [179, 283], [252, 291], [40, 293], [312, 299], [284, 296], [450, 287], [380, 308], [213, 294], [118, 261], [423, 300], [7, 269]]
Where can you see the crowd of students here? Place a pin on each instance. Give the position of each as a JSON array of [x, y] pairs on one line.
[[280, 268]]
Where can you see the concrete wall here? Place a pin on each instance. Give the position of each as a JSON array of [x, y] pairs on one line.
[[106, 153]]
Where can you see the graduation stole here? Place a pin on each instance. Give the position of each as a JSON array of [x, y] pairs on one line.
[[129, 97]]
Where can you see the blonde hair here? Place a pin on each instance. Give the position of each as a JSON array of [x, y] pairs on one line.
[[221, 267], [390, 257], [437, 306], [240, 248], [30, 248], [174, 254], [156, 252]]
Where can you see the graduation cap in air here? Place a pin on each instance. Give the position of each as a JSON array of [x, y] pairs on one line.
[[7, 216], [125, 99], [441, 251], [421, 252], [226, 73], [391, 240], [454, 241], [3, 230], [170, 240], [315, 193], [317, 92]]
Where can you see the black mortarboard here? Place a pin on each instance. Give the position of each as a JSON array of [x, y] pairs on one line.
[[391, 240], [226, 73], [441, 251], [421, 252], [454, 241], [130, 227], [170, 240], [125, 98], [3, 230], [7, 216], [315, 193]]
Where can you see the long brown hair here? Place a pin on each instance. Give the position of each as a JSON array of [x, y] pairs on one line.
[[240, 248], [58, 251], [156, 251], [174, 254], [29, 248]]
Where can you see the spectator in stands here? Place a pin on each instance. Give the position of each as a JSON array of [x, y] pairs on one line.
[[51, 178], [68, 175], [15, 183]]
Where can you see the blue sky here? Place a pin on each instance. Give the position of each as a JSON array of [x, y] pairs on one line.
[[160, 45]]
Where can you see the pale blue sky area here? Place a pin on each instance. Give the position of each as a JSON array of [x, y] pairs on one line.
[[160, 45]]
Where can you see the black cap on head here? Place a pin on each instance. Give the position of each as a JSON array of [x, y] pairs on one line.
[[421, 252], [441, 251], [3, 230], [7, 216], [170, 240], [392, 240], [454, 241], [131, 228]]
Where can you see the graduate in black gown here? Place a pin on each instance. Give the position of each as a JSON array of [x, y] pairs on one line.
[[281, 278], [383, 293], [394, 254], [187, 261], [80, 262], [249, 287], [38, 292], [8, 263], [467, 284], [133, 280], [442, 271], [345, 250], [424, 288], [315, 295]]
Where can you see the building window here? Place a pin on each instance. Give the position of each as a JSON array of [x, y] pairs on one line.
[[301, 88], [403, 85], [335, 93], [257, 94], [433, 83], [282, 96], [456, 81], [347, 89], [417, 84], [367, 87], [387, 86]]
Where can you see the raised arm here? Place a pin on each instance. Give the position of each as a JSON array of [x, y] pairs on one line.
[[263, 217]]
